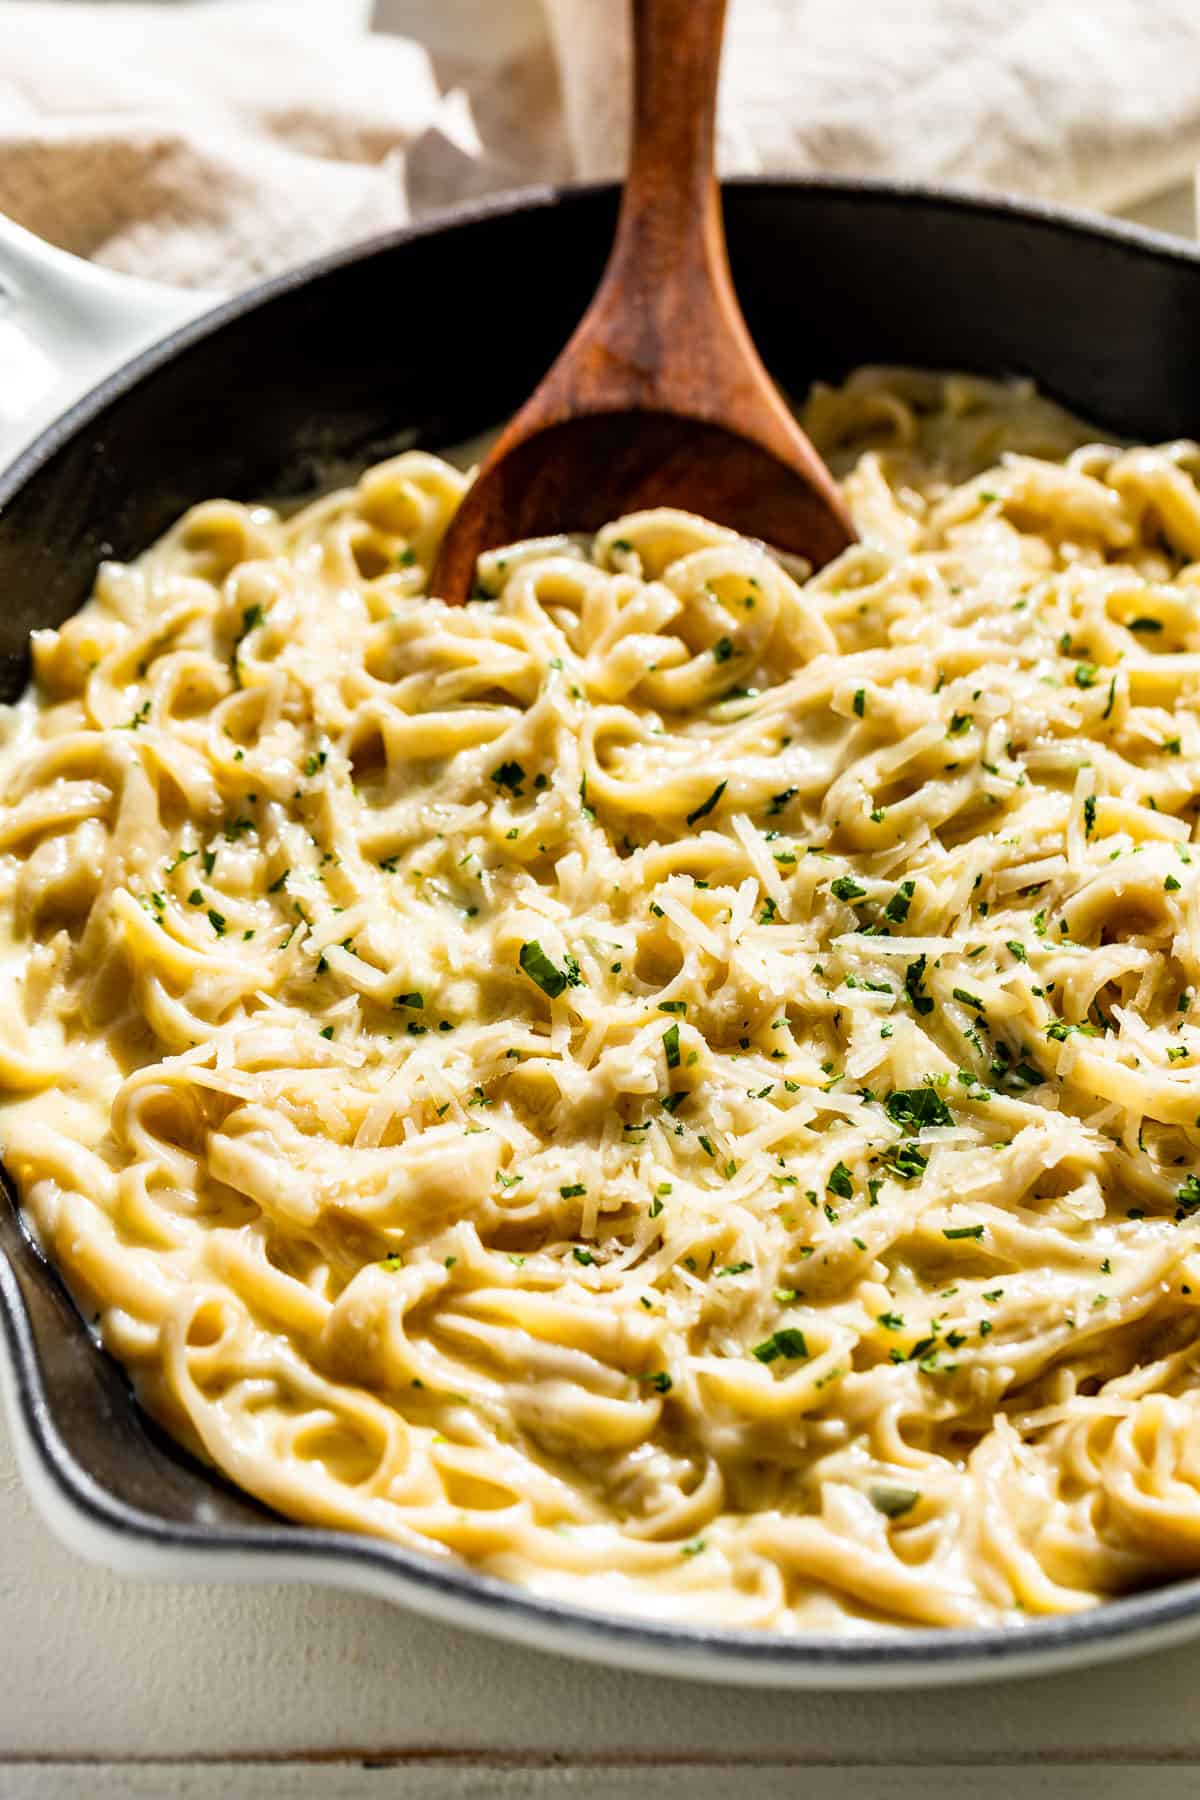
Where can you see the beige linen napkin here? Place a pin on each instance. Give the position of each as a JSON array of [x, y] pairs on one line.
[[212, 144], [1094, 102]]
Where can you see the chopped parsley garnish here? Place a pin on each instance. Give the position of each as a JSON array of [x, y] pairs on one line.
[[509, 775], [414, 1000], [860, 702], [787, 1342], [1089, 815], [252, 616], [217, 921], [917, 1107], [1086, 674], [905, 1161], [966, 999], [1187, 1197], [897, 907], [552, 981], [840, 1181], [963, 1231], [914, 980], [722, 650], [893, 1502], [846, 888], [734, 1269], [706, 806], [779, 801], [671, 1046], [960, 722]]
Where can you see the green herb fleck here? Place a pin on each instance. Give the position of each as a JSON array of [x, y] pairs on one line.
[[706, 806], [897, 907], [840, 1181], [917, 1107], [787, 1342], [893, 1502], [509, 775], [552, 981], [914, 979]]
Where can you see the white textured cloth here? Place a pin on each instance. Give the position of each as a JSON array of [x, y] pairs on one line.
[[1095, 102], [210, 145]]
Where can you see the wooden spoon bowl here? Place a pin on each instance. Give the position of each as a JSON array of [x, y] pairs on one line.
[[659, 398]]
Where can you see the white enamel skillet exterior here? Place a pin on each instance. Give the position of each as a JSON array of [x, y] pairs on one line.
[[66, 324]]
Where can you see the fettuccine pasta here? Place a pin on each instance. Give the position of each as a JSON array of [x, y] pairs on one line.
[[677, 1082]]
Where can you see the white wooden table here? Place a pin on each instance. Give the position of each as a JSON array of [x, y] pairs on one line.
[[117, 1688]]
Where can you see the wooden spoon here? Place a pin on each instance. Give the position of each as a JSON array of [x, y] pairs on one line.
[[660, 397]]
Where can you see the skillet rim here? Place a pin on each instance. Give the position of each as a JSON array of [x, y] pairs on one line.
[[89, 1517], [1159, 246]]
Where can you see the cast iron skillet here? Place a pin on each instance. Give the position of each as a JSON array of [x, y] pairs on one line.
[[428, 336]]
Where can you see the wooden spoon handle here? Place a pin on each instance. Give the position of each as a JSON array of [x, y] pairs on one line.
[[670, 221], [665, 332]]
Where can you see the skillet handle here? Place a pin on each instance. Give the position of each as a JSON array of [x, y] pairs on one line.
[[65, 324]]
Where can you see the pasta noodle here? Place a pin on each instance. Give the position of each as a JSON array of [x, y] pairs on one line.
[[677, 1082]]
